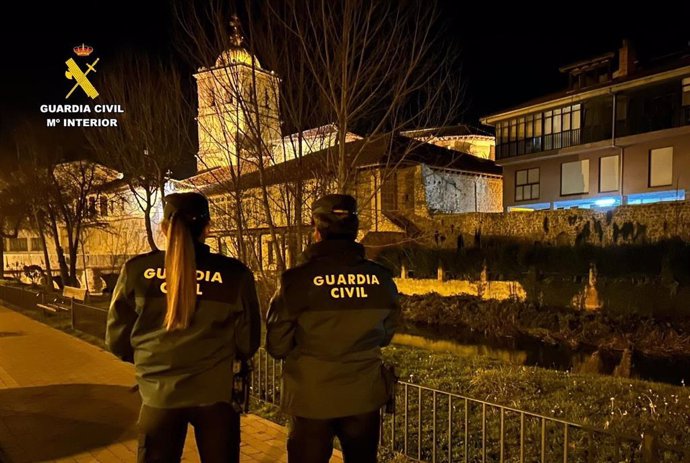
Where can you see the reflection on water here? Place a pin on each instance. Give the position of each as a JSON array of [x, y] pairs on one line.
[[525, 350], [517, 357]]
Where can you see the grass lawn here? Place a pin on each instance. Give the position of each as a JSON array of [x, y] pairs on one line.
[[624, 405]]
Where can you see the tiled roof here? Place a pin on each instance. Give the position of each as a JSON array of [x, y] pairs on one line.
[[383, 152]]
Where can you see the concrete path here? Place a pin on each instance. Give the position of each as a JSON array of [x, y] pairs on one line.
[[64, 400]]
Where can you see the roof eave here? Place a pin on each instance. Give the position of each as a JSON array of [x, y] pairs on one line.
[[585, 94]]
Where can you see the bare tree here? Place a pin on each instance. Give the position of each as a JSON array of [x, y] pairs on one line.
[[37, 151], [238, 118], [378, 68], [152, 137], [71, 206], [12, 213], [347, 66], [35, 189]]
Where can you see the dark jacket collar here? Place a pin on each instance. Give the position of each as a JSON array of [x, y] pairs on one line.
[[345, 250], [201, 249]]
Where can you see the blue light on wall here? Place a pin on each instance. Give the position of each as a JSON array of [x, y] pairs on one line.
[[656, 196], [589, 203]]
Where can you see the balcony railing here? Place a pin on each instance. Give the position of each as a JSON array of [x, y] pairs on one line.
[[538, 144]]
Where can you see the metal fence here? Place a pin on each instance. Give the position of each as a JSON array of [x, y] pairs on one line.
[[82, 317], [89, 319], [435, 426]]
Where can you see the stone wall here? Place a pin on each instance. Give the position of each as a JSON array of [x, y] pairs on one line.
[[500, 290], [616, 296], [648, 223], [454, 192]]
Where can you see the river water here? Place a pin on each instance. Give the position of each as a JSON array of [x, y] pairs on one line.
[[525, 350]]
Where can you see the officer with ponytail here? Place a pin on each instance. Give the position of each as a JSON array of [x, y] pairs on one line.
[[183, 316]]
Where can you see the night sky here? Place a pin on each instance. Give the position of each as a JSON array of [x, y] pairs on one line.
[[508, 54]]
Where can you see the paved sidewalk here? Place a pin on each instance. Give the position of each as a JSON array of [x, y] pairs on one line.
[[62, 399]]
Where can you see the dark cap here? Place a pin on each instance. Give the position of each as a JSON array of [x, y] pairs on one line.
[[192, 207], [337, 215], [338, 205]]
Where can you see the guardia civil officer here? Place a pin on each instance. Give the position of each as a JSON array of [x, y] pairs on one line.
[[182, 316], [329, 320]]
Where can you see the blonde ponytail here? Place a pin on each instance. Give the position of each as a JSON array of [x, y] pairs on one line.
[[180, 275]]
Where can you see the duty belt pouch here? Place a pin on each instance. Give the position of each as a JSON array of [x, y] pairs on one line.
[[390, 379], [241, 370]]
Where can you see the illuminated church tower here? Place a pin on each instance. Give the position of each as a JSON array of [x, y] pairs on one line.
[[238, 102]]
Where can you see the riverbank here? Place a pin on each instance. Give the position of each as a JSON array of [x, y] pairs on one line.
[[650, 336], [623, 405]]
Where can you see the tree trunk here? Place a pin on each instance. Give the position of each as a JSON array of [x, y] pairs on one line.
[[2, 256], [148, 224], [269, 218], [73, 255], [342, 159], [241, 250], [73, 236], [298, 222], [44, 246], [64, 272]]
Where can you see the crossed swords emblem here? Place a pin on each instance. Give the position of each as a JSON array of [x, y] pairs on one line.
[[75, 72]]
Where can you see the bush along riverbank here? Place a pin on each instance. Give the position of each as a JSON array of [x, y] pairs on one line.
[[654, 337], [629, 407]]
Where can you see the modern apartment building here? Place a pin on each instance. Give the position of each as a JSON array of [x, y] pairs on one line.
[[620, 134]]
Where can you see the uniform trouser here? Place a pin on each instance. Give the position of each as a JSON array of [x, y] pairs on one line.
[[311, 441], [162, 433]]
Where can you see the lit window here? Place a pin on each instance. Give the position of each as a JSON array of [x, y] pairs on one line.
[[608, 173], [575, 123], [527, 184], [661, 167], [557, 121], [548, 118], [36, 244], [575, 177], [18, 245]]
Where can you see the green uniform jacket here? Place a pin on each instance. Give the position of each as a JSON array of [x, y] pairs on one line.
[[329, 320], [189, 367]]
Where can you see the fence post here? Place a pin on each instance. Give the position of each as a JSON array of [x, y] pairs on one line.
[[648, 448], [71, 311]]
